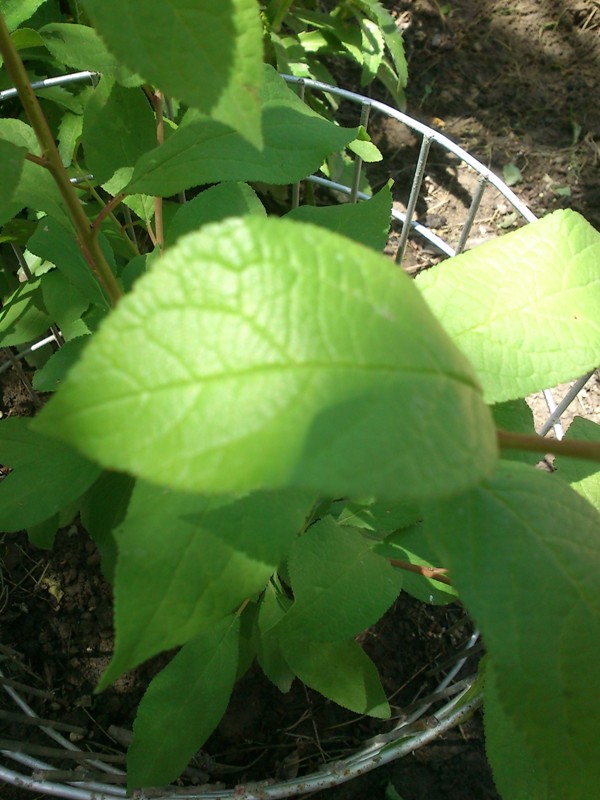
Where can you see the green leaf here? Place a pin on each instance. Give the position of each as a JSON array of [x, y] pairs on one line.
[[63, 300], [43, 534], [340, 671], [265, 353], [209, 54], [393, 39], [103, 508], [218, 552], [23, 316], [54, 371], [80, 47], [373, 45], [341, 587], [523, 550], [118, 128], [17, 11], [524, 308], [69, 132], [183, 705], [52, 242], [410, 544], [12, 159], [213, 205], [273, 607], [517, 775], [36, 188], [296, 140], [46, 475], [378, 516], [584, 476], [517, 417], [511, 174], [367, 222]]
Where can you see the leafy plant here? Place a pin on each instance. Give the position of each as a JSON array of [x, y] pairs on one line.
[[301, 34], [263, 424]]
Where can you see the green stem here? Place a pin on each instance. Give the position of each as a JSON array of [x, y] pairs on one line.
[[87, 241], [538, 444]]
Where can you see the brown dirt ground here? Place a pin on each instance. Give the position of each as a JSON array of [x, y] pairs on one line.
[[513, 82]]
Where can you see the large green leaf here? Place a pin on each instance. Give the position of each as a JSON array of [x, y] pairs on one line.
[[46, 475], [12, 158], [265, 353], [367, 222], [118, 127], [23, 316], [341, 587], [207, 54], [183, 705], [517, 775], [523, 551], [525, 308], [341, 671], [217, 553], [584, 476], [273, 607], [202, 150]]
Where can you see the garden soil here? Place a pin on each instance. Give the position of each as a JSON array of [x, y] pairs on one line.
[[515, 84]]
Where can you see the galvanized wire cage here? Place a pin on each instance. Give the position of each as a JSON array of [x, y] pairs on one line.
[[92, 776]]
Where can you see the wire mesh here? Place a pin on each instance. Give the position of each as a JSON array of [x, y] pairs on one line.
[[41, 769]]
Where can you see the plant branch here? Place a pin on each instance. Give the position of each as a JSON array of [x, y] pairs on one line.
[[158, 201], [36, 159], [50, 155], [539, 444], [104, 213], [434, 573]]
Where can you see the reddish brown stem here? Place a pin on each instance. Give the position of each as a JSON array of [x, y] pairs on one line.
[[434, 573], [108, 208]]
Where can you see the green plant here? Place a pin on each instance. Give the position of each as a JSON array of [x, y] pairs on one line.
[[256, 370], [299, 35]]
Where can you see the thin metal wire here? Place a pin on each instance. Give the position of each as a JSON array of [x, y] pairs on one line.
[[414, 196], [358, 162], [554, 418]]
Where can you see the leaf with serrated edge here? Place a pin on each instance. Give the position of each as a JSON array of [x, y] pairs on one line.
[[202, 150], [583, 475], [265, 353], [341, 587], [341, 671], [219, 551], [523, 551], [208, 54], [183, 705], [524, 308], [46, 475]]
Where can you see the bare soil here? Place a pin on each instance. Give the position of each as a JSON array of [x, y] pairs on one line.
[[515, 83]]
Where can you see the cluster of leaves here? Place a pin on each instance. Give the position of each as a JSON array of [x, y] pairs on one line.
[[226, 374], [301, 34]]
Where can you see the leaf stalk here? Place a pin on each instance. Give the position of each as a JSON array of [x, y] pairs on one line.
[[590, 451]]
